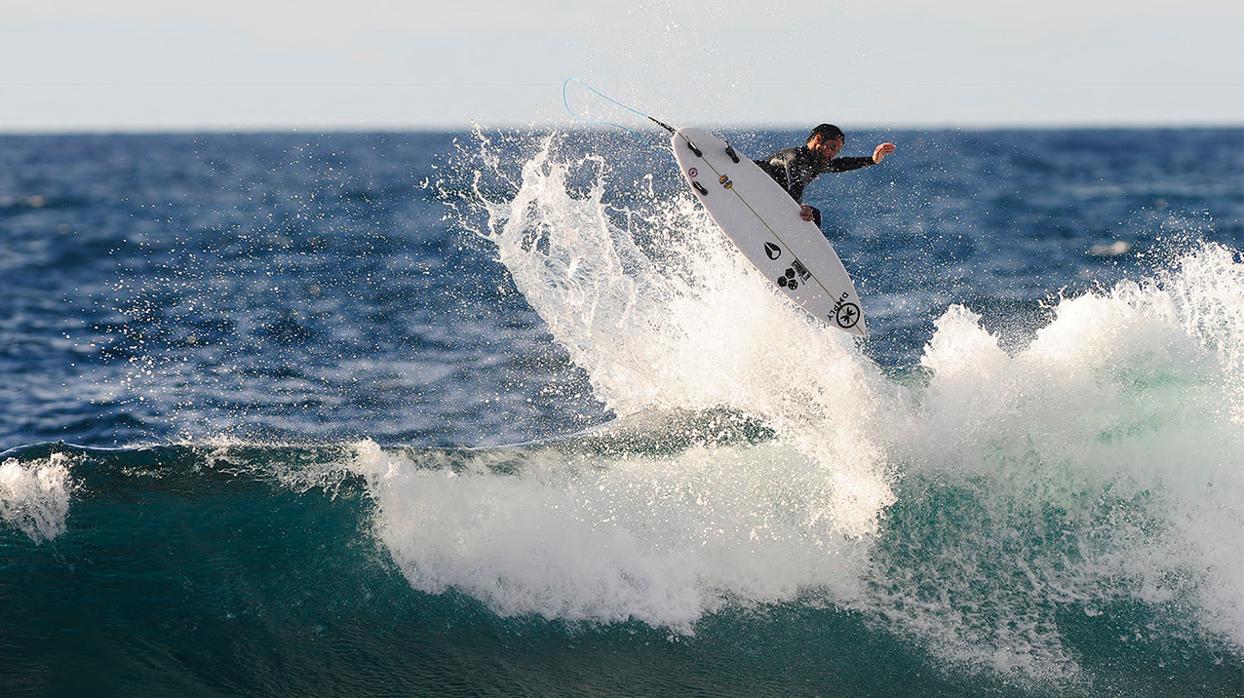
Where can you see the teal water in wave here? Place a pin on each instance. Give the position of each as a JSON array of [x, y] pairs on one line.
[[230, 570], [262, 395]]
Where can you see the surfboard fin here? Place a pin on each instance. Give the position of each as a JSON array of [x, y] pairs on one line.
[[698, 153], [733, 155], [700, 188]]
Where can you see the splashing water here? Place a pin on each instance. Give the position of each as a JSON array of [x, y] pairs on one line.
[[683, 322], [34, 496], [1096, 467]]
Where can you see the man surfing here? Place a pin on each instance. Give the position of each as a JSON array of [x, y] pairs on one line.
[[795, 168]]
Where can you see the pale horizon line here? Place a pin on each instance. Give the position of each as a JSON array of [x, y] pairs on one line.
[[542, 127]]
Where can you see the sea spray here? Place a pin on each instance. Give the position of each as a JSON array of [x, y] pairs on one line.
[[664, 314], [1077, 474], [1095, 467], [34, 495]]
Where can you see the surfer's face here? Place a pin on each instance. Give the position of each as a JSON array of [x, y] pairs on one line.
[[827, 149]]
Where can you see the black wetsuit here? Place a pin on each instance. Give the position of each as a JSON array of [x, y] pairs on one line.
[[795, 168]]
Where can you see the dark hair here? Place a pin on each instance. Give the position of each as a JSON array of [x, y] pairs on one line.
[[827, 132]]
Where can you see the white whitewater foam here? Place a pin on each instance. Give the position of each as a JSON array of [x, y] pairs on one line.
[[663, 541], [1102, 463], [34, 496]]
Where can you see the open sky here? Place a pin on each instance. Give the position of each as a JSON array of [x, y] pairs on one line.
[[365, 64]]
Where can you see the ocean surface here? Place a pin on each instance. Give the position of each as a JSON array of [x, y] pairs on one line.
[[503, 413]]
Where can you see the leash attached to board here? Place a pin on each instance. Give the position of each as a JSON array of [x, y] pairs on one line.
[[672, 131], [611, 100]]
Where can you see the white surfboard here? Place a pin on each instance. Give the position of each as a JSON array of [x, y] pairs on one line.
[[763, 221]]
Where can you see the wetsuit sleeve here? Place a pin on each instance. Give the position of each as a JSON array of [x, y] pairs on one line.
[[847, 164]]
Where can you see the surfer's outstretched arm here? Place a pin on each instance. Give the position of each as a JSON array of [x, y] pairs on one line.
[[848, 164]]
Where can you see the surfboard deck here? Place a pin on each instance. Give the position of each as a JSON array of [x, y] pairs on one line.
[[763, 221]]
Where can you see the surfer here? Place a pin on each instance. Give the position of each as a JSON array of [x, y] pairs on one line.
[[795, 168]]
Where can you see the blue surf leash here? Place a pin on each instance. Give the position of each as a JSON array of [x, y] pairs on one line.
[[611, 100]]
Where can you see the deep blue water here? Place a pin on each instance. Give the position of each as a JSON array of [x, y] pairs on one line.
[[258, 392]]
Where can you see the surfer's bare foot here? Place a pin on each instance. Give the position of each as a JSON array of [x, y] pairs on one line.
[[805, 212]]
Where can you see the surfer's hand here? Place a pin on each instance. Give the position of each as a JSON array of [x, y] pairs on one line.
[[881, 151], [805, 212]]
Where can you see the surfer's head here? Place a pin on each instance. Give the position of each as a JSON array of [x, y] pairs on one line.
[[826, 140]]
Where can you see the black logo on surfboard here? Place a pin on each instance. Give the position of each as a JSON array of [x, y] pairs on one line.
[[788, 280], [848, 314], [795, 274], [772, 250]]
